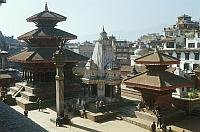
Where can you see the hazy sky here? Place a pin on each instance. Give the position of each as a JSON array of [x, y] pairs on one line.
[[126, 19]]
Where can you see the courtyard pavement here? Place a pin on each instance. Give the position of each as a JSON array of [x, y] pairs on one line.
[[79, 124]]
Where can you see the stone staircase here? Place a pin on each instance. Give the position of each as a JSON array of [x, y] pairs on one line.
[[23, 96], [144, 120]]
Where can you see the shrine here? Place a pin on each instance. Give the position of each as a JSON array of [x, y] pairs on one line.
[[157, 83], [37, 63], [102, 74]]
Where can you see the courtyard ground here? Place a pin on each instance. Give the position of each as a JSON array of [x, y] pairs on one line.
[[79, 124]]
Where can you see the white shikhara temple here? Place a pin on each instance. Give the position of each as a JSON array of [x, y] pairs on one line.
[[102, 75]]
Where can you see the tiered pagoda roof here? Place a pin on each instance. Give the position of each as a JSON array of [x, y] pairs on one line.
[[157, 58], [46, 21], [44, 55], [157, 77], [44, 40]]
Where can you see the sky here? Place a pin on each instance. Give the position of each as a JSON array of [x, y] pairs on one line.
[[125, 19]]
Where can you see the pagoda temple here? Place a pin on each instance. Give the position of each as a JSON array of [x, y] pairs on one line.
[[102, 75], [156, 84], [37, 63]]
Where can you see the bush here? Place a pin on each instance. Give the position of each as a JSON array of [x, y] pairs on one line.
[[193, 94]]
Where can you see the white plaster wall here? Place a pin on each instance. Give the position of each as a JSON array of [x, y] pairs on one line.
[[174, 54]]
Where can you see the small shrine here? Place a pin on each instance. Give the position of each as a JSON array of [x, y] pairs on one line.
[[156, 84], [102, 75], [37, 63]]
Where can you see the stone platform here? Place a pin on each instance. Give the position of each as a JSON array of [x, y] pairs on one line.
[[168, 116], [99, 117]]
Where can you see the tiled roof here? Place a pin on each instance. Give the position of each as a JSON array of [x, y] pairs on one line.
[[157, 80], [45, 55], [157, 58], [47, 32], [46, 14]]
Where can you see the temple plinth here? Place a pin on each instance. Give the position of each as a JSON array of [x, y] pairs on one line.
[[157, 83]]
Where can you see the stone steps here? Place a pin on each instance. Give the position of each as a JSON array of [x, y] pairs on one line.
[[13, 90], [26, 105], [38, 90], [29, 96]]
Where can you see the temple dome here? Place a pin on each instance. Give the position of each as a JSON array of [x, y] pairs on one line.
[[90, 65], [113, 66], [142, 50]]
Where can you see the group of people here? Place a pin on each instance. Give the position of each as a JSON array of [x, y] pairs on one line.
[[164, 128], [160, 121], [99, 104], [63, 121]]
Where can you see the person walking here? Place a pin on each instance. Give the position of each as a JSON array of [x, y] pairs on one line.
[[170, 129], [26, 113], [153, 127], [40, 105], [38, 99]]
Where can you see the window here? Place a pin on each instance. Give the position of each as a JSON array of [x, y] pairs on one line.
[[195, 66], [186, 66], [170, 45], [196, 56], [178, 55], [191, 45], [198, 35], [198, 45], [186, 56]]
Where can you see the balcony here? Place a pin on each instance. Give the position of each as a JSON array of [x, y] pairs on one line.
[[2, 1]]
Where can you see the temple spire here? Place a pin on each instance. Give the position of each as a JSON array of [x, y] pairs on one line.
[[46, 7], [103, 29], [103, 34]]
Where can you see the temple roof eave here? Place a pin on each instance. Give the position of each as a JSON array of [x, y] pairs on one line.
[[157, 80], [47, 33], [154, 88], [40, 61], [157, 63]]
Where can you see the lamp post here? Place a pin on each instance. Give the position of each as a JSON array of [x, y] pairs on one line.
[[59, 61]]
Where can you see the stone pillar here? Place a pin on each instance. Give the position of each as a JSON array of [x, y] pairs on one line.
[[101, 89], [59, 63]]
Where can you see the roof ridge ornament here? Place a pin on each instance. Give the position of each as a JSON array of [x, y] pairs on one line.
[[46, 7]]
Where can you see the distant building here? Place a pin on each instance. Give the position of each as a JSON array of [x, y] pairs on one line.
[[184, 25], [86, 48], [2, 1], [73, 47], [183, 42], [122, 50], [151, 39]]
